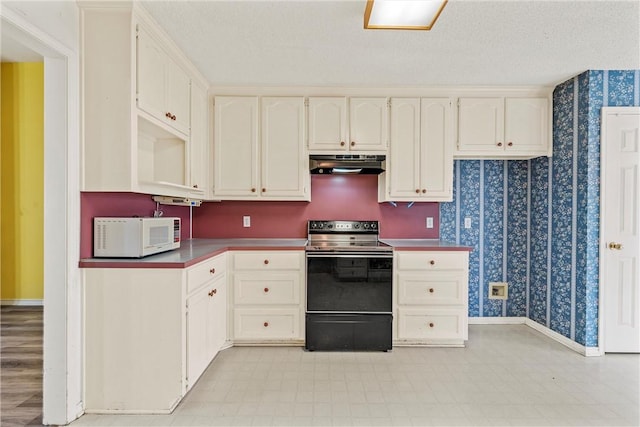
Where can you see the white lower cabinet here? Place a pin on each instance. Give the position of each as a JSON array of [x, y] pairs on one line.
[[149, 333], [431, 293], [206, 315], [267, 297]]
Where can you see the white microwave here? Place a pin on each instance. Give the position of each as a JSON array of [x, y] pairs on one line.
[[134, 237]]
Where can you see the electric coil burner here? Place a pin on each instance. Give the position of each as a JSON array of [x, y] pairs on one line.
[[349, 287]]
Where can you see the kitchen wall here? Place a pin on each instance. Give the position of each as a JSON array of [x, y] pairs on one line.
[[566, 191], [22, 211], [535, 223], [333, 197]]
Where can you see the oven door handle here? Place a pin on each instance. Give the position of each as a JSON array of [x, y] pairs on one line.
[[349, 255]]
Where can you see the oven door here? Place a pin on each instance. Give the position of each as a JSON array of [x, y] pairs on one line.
[[349, 282]]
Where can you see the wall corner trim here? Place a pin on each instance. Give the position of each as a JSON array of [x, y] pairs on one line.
[[578, 348]]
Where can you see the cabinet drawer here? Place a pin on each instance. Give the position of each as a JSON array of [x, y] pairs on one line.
[[432, 324], [429, 260], [437, 288], [205, 271], [267, 288], [271, 260], [266, 324]]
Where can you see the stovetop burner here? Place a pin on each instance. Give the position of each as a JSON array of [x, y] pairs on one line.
[[332, 236]]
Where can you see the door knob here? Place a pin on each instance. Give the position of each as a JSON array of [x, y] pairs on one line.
[[616, 246]]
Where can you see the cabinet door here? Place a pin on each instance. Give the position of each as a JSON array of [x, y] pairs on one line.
[[404, 149], [198, 147], [217, 316], [197, 335], [368, 124], [527, 125], [177, 96], [284, 159], [436, 166], [150, 75], [327, 124], [235, 153], [480, 125]]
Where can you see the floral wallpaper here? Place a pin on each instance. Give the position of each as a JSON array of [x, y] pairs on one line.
[[535, 223]]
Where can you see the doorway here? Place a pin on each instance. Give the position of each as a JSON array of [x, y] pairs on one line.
[[62, 369], [620, 237]]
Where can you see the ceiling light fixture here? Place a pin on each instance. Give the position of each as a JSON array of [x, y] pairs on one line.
[[402, 14]]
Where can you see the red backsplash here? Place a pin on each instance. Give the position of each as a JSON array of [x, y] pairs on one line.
[[120, 204], [333, 197]]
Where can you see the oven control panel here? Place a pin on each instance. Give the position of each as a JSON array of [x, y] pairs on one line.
[[343, 227]]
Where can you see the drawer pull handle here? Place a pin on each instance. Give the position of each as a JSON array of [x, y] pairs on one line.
[[266, 290], [212, 271], [430, 290], [266, 324], [432, 262], [266, 261], [431, 325]]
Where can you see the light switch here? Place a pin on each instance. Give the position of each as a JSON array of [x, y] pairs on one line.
[[246, 221], [467, 222], [429, 222]]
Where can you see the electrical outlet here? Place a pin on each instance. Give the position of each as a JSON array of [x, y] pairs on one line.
[[429, 222], [467, 222], [246, 221]]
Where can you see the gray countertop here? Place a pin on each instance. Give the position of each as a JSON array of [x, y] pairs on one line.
[[194, 251]]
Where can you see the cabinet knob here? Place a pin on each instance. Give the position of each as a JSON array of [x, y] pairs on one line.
[[253, 190], [195, 185], [266, 290], [432, 262], [616, 246], [353, 143], [430, 290], [173, 117], [212, 271], [266, 324], [342, 143], [424, 190], [417, 191], [510, 144], [431, 325], [168, 115], [266, 261], [499, 144], [213, 292], [264, 189]]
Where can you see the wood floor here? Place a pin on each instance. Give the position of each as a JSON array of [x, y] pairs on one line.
[[21, 366]]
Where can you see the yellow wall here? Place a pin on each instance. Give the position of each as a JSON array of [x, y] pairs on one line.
[[22, 181]]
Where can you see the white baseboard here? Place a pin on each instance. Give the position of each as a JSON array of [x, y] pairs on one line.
[[36, 302], [579, 348], [497, 320]]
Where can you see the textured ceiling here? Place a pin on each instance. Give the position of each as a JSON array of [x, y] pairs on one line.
[[321, 42]]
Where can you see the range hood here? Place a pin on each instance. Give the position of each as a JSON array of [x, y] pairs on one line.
[[346, 164]]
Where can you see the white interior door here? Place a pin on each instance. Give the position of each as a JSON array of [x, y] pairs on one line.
[[620, 220]]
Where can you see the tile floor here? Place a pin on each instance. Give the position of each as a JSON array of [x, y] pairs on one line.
[[508, 375]]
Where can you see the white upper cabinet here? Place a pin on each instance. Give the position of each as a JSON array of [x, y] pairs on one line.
[[503, 127], [285, 163], [199, 146], [235, 152], [368, 124], [420, 162], [327, 124], [136, 106], [259, 149], [163, 88], [365, 130]]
